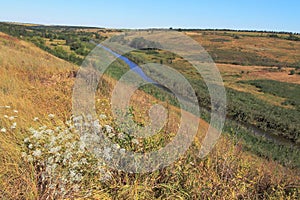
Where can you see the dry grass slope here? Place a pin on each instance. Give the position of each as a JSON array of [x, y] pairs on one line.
[[35, 84]]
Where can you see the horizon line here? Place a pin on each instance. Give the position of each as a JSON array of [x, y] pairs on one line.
[[149, 28]]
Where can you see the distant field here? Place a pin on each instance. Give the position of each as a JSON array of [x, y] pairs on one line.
[[242, 49], [232, 72]]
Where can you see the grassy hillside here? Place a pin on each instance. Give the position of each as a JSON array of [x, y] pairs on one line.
[[34, 84], [66, 42], [270, 112]]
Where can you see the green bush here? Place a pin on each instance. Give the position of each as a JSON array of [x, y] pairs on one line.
[[292, 72]]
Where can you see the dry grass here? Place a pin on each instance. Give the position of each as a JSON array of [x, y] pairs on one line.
[[273, 48], [35, 84], [259, 72]]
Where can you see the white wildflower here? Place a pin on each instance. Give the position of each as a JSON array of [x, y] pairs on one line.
[[35, 119], [49, 131], [57, 157], [57, 129], [43, 127], [30, 146], [102, 116], [63, 190], [122, 151], [53, 167], [23, 154], [75, 164], [52, 186], [26, 140], [68, 136], [37, 153], [52, 139], [135, 141], [77, 119], [106, 153], [11, 118], [83, 161], [106, 176], [111, 135], [77, 125], [68, 144], [121, 136], [76, 188], [14, 125], [108, 128], [5, 116], [68, 155], [72, 173], [3, 130], [89, 117], [81, 146], [97, 126], [96, 123], [55, 149], [86, 124], [15, 111], [29, 158], [116, 146], [37, 134], [50, 160], [51, 116], [78, 177]]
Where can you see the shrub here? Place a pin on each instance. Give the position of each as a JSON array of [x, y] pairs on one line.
[[64, 167], [292, 72]]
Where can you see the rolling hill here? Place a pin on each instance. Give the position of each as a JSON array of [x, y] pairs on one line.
[[35, 85]]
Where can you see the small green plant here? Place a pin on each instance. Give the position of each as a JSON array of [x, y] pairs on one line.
[[292, 72]]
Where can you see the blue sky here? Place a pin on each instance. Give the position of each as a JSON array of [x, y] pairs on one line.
[[233, 14]]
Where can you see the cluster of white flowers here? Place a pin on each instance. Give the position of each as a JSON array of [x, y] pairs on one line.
[[14, 125], [11, 120], [102, 116], [51, 116], [69, 155], [61, 155]]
